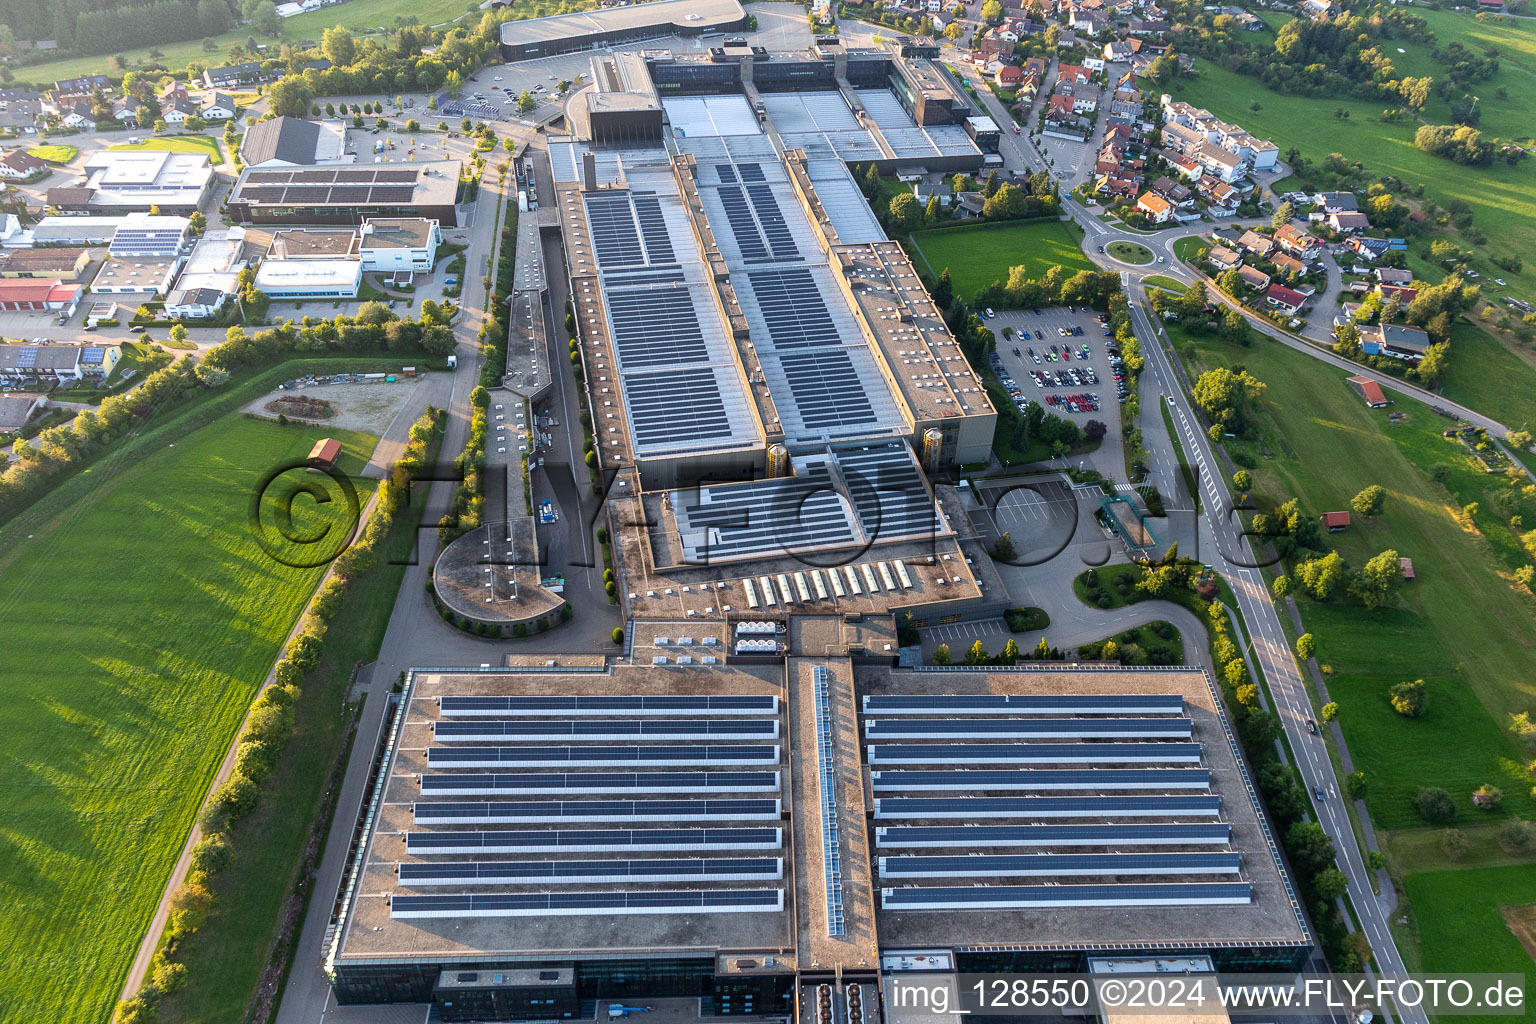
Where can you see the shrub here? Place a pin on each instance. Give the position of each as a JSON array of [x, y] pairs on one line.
[[520, 629], [1435, 805], [1453, 843], [255, 760], [1409, 699], [1104, 601], [269, 723], [328, 598], [236, 798], [169, 977], [1515, 835], [1487, 797], [135, 1011], [212, 854], [617, 635]]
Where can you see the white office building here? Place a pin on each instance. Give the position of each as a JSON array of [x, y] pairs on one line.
[[400, 245], [310, 278]]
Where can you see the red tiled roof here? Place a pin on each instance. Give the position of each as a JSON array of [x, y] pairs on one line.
[[1332, 519], [1369, 390]]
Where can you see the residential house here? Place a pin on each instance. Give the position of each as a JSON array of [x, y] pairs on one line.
[[1117, 52], [1085, 98], [1223, 198], [1285, 299], [1299, 242], [1186, 167], [177, 111], [1402, 293], [1226, 165], [1317, 10], [1394, 275], [53, 364], [1176, 193], [1259, 245], [988, 48], [16, 408], [1139, 27], [1395, 341], [70, 199], [81, 116], [1253, 277], [1157, 209], [231, 75], [1073, 74], [1035, 66], [1093, 63], [1221, 258], [83, 84], [1089, 23], [1061, 108], [1182, 139], [1114, 185], [127, 110], [927, 190], [1367, 248], [1348, 222], [18, 164], [1008, 76], [1288, 264], [1027, 90], [173, 90], [1336, 202], [220, 108]]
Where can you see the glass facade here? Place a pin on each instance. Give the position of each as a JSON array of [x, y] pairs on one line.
[[612, 979], [1248, 959]]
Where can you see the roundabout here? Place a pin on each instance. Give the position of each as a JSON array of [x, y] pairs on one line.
[[1131, 253]]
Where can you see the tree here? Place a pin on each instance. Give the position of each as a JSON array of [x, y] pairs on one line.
[[1369, 502], [526, 102], [179, 332], [1243, 480], [338, 46], [1003, 550], [197, 223], [1357, 952], [1434, 805], [1320, 577], [976, 655], [941, 654], [1355, 785], [1520, 440], [1453, 843], [1409, 699], [991, 12], [1330, 884], [1094, 430], [905, 211], [1515, 836], [1309, 846], [1010, 652], [1377, 582], [1329, 711], [1281, 586], [1306, 646], [1283, 215], [953, 31], [1225, 395], [263, 18], [212, 854]]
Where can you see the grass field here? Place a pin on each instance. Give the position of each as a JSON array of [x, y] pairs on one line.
[[56, 154], [118, 713], [978, 254], [1503, 199], [1493, 379], [179, 144], [1455, 915], [358, 15], [1459, 625], [1131, 252], [1167, 284]]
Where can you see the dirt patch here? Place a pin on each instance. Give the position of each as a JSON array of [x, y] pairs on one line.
[[1522, 921], [302, 406], [368, 406]]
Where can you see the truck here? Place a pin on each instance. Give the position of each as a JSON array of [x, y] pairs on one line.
[[522, 200]]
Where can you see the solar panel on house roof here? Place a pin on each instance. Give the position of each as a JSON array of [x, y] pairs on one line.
[[594, 810], [1061, 865], [557, 904], [599, 757], [1024, 728], [1147, 894], [1029, 779], [656, 704], [543, 872], [1022, 704], [607, 729], [974, 807], [594, 840], [1032, 753], [478, 783], [958, 836]]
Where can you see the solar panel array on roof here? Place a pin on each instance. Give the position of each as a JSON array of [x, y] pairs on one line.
[[691, 798], [1084, 809], [556, 904], [889, 493]]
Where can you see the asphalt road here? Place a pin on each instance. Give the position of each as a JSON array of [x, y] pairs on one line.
[[1225, 548]]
